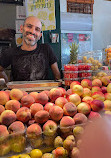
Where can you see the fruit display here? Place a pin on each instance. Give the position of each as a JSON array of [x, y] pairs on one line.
[[51, 123], [94, 58], [101, 74], [76, 72]]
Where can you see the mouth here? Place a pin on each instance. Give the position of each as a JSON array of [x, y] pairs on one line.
[[31, 36]]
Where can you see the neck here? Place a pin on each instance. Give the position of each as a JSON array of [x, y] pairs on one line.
[[28, 47]]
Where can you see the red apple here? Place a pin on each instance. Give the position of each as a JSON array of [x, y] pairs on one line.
[[97, 105], [86, 83]]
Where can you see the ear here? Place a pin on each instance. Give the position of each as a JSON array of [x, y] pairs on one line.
[[40, 36], [21, 28]]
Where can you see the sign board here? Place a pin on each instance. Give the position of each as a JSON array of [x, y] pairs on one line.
[[20, 12], [44, 10]]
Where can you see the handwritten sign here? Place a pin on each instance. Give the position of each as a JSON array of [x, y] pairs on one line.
[[44, 10]]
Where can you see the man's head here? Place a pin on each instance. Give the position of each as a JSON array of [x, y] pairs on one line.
[[31, 30]]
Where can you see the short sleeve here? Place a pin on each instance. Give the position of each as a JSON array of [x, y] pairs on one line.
[[52, 57], [5, 58]]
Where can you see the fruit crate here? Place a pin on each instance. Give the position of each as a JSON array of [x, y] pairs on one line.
[[76, 72], [80, 6]]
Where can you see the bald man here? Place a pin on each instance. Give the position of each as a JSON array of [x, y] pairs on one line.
[[30, 61]]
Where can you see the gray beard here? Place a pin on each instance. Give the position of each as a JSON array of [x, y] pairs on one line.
[[29, 42]]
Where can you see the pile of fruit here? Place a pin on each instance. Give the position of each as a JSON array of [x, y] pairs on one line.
[[95, 63], [53, 120], [102, 73]]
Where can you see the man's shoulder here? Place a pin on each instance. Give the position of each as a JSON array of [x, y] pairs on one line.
[[10, 50]]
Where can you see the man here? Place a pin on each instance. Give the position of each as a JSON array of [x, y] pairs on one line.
[[30, 61]]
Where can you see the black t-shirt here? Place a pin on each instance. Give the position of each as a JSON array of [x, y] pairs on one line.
[[28, 65]]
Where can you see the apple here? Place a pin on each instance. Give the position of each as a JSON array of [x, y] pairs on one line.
[[61, 101], [97, 105], [84, 108], [49, 128], [86, 92], [78, 89], [86, 83], [74, 83], [87, 99], [74, 98]]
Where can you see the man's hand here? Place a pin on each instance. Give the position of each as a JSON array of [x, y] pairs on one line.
[[56, 71], [3, 74]]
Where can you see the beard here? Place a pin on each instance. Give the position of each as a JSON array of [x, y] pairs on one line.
[[29, 41]]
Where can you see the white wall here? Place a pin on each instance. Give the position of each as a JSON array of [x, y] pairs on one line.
[[101, 22]]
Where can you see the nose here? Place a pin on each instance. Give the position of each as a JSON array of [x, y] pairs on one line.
[[32, 30]]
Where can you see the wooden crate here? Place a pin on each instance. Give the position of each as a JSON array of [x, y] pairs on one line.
[[74, 6], [82, 1]]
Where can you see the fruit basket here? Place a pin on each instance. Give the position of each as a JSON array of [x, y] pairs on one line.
[[53, 120], [76, 72], [92, 57], [11, 144]]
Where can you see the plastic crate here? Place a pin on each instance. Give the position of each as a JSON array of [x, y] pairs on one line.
[[78, 7]]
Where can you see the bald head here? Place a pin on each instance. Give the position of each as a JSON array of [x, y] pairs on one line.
[[33, 19], [31, 31]]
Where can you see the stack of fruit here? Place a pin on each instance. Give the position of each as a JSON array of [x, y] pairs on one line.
[[96, 64], [101, 74], [76, 72], [53, 120], [108, 54]]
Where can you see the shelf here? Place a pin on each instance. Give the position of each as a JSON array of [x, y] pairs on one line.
[[17, 2]]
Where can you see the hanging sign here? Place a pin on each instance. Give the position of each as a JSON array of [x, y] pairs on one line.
[[44, 10]]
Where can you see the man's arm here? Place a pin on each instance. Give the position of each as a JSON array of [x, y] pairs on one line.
[[56, 71], [3, 74]]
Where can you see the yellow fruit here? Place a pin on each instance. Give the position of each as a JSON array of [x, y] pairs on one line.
[[36, 153], [91, 58], [92, 67], [88, 61], [84, 59], [78, 130], [24, 156], [96, 67], [15, 156]]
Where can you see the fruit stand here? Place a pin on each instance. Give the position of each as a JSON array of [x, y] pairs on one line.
[[47, 119], [50, 123]]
